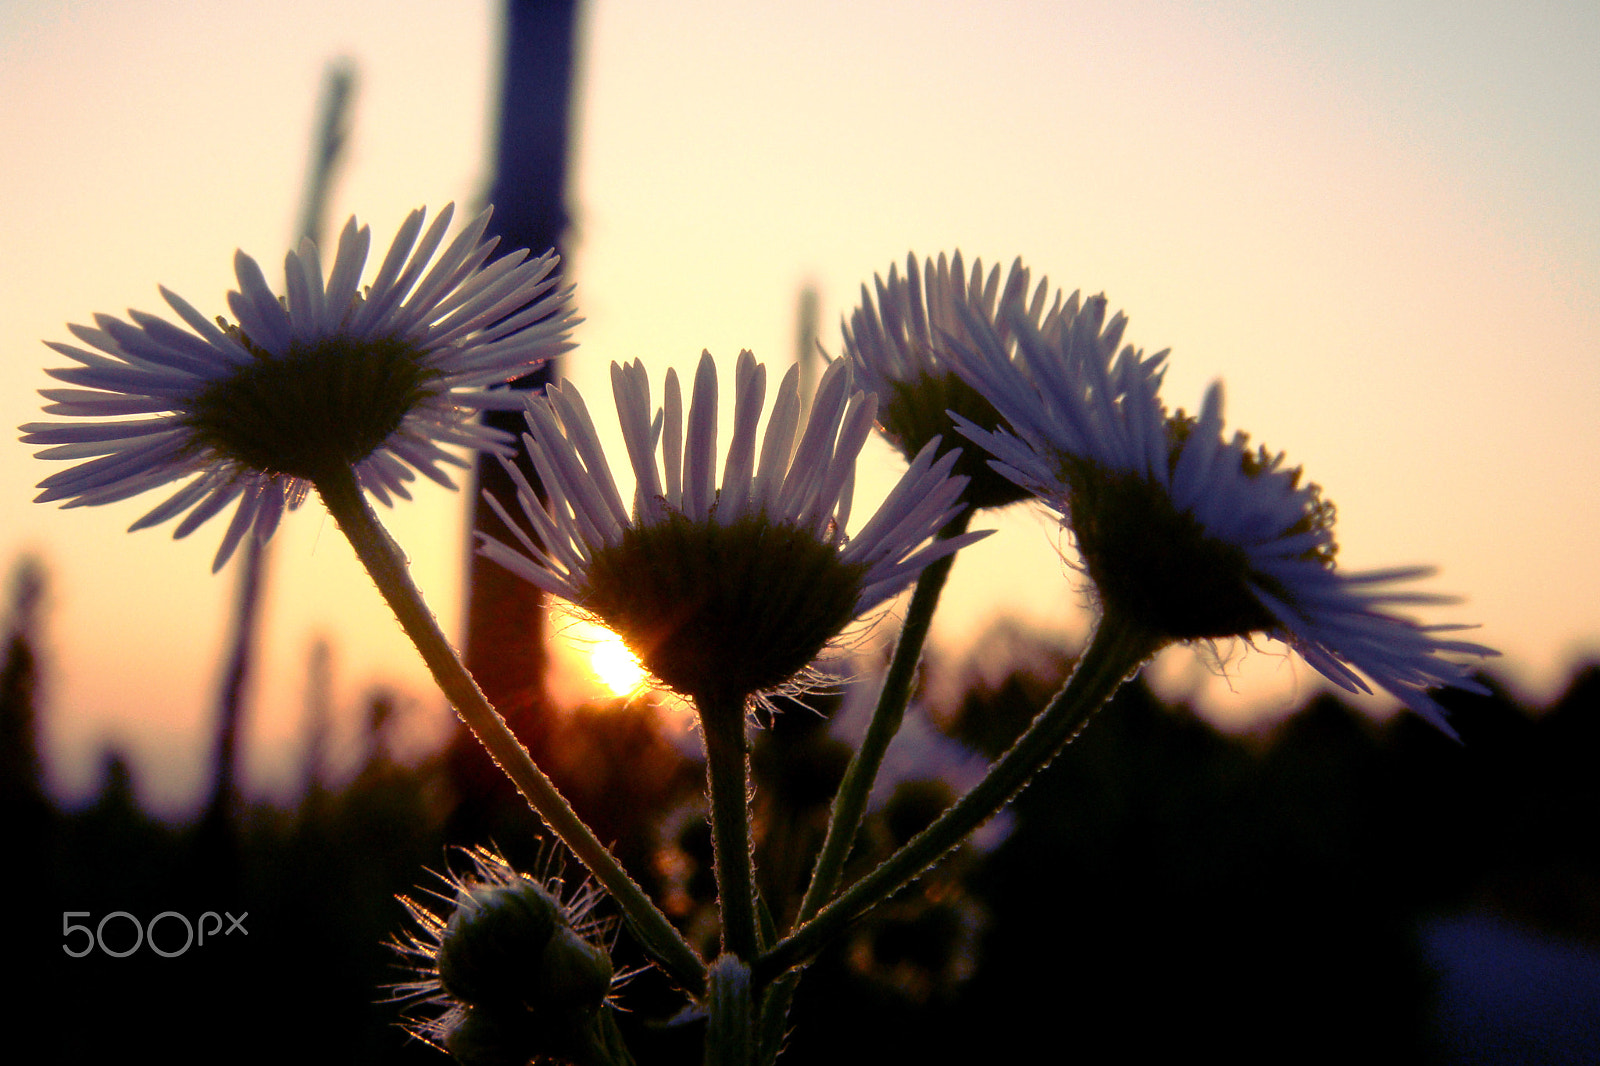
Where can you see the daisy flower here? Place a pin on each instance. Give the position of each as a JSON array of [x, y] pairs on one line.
[[900, 350], [1187, 534], [253, 412], [729, 591]]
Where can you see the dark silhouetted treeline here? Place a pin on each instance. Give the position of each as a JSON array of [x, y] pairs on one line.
[[1164, 888]]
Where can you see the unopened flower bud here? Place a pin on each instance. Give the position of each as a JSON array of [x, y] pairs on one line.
[[520, 969], [488, 1038], [574, 973], [490, 941]]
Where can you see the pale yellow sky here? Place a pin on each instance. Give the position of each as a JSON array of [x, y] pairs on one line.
[[1378, 228]]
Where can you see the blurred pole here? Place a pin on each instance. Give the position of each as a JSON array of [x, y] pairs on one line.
[[505, 640], [319, 726], [329, 147], [21, 768], [332, 132], [806, 354]]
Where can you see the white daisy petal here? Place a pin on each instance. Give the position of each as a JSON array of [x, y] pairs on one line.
[[700, 447], [219, 497], [91, 432], [342, 283], [302, 275], [399, 274], [175, 348], [815, 449], [244, 518], [750, 393], [853, 432], [631, 388], [672, 439], [586, 440], [181, 500], [261, 316], [777, 446]]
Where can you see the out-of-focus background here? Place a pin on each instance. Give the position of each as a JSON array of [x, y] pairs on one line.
[[1376, 222]]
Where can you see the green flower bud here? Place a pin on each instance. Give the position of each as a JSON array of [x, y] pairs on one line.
[[518, 970], [489, 1038], [573, 973], [491, 940]]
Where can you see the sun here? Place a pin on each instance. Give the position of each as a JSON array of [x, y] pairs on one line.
[[609, 659]]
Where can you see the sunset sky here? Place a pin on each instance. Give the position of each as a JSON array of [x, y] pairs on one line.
[[1377, 222]]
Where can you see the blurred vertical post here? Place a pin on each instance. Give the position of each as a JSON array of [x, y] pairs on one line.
[[805, 344], [22, 794], [332, 132], [505, 645]]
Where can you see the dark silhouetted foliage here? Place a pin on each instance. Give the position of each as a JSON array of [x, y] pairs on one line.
[[1163, 888]]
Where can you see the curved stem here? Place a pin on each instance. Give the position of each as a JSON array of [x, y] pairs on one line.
[[850, 804], [386, 564], [1114, 655], [728, 777]]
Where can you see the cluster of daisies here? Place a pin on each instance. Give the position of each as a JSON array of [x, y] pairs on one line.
[[1184, 533], [995, 390]]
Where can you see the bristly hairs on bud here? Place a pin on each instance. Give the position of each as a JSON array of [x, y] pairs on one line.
[[508, 967]]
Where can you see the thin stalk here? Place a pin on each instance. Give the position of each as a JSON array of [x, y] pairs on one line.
[[1114, 655], [728, 777], [386, 564], [772, 1020], [850, 804]]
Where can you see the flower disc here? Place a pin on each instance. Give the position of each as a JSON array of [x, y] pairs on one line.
[[337, 400], [738, 608]]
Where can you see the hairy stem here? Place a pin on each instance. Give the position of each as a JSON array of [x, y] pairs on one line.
[[728, 776], [851, 801], [1114, 655], [386, 564]]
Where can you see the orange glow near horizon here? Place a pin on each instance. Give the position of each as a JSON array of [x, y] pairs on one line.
[[1390, 255], [606, 658]]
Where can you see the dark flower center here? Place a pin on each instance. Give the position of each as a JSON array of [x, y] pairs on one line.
[[914, 413], [718, 611], [1159, 568], [314, 407]]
